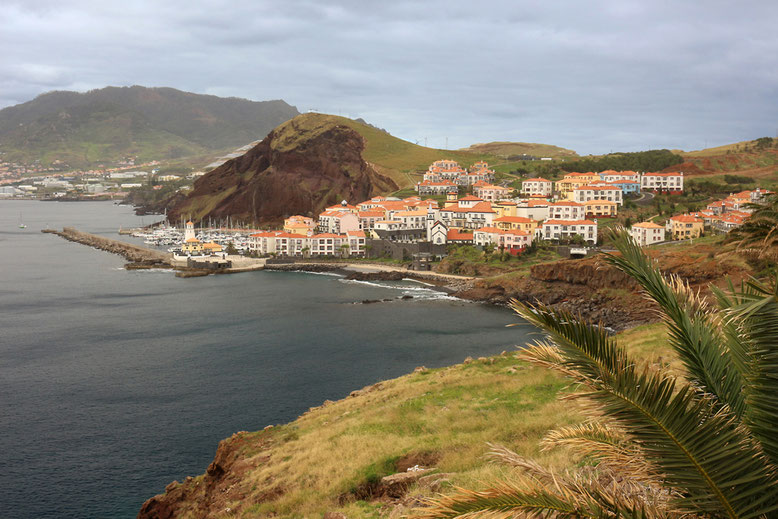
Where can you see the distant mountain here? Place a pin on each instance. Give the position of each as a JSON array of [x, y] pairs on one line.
[[116, 122], [514, 149], [306, 164]]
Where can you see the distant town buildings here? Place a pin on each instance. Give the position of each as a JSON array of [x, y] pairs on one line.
[[647, 233]]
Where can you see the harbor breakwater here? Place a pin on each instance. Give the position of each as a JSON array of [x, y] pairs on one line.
[[133, 253]]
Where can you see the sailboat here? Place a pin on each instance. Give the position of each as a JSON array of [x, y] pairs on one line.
[[21, 225]]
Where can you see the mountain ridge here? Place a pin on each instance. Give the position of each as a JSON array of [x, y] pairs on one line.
[[114, 122]]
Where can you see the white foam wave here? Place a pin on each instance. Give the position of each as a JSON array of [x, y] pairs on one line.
[[333, 274], [418, 293], [419, 282]]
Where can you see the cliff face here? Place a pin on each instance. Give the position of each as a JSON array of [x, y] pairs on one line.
[[600, 292], [589, 287], [298, 168]]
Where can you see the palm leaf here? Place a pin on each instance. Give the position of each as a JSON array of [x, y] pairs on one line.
[[531, 498], [693, 335], [609, 446], [699, 445], [752, 314]]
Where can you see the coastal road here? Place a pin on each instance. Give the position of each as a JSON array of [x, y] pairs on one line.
[[646, 198]]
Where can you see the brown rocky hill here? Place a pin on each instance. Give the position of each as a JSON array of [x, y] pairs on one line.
[[301, 167]]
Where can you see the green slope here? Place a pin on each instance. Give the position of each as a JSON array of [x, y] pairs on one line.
[[148, 123], [513, 149], [393, 156]]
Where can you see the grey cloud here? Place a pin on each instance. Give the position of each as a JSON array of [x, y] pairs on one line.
[[591, 76]]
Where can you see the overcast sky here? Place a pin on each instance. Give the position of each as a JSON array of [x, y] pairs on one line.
[[592, 76]]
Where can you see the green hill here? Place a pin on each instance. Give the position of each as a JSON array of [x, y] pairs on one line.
[[515, 149], [390, 155], [116, 122]]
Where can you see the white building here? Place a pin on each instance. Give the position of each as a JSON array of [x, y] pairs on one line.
[[410, 219], [437, 232], [647, 233], [338, 221], [535, 209], [429, 187], [491, 192], [563, 229], [670, 182], [469, 212], [507, 239], [537, 186], [565, 210], [597, 192], [8, 191]]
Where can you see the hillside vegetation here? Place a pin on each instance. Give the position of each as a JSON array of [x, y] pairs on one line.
[[333, 457], [652, 160], [147, 123], [757, 160], [513, 149]]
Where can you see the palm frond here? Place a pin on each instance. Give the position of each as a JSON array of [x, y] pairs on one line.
[[752, 314], [530, 498], [611, 447], [502, 454], [696, 442], [693, 335]]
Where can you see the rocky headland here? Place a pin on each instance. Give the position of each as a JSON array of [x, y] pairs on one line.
[[299, 168]]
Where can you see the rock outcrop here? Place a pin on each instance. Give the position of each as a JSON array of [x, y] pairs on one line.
[[301, 167]]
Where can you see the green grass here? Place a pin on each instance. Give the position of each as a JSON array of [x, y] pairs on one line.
[[446, 414], [507, 149]]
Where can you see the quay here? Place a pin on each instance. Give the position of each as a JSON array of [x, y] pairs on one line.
[[133, 253], [142, 257]]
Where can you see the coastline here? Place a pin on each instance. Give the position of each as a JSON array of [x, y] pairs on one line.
[[582, 287], [448, 283]]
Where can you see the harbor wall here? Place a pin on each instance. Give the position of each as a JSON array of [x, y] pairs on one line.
[[129, 251]]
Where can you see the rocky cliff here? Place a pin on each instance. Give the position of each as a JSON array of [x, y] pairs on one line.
[[601, 293], [300, 168]]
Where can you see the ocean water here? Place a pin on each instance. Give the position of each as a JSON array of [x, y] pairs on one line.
[[114, 383]]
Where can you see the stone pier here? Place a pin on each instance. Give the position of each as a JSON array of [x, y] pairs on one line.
[[133, 253]]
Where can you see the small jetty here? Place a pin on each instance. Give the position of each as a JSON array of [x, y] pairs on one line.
[[144, 258], [133, 253]]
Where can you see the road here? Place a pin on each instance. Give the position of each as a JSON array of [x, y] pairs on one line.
[[646, 198]]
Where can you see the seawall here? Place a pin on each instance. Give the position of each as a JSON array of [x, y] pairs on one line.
[[133, 253]]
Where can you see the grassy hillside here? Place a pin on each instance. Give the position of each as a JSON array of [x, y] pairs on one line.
[[330, 458], [393, 157], [509, 149], [148, 123]]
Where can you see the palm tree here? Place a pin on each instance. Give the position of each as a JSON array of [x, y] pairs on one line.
[[703, 446], [758, 236]]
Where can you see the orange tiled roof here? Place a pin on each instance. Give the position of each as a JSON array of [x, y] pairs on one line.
[[564, 203], [455, 235], [569, 222], [489, 229], [686, 218], [371, 214], [514, 219]]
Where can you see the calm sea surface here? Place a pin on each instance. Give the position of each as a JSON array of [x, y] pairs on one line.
[[114, 383]]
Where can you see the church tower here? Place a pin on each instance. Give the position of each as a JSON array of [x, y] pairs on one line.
[[189, 233]]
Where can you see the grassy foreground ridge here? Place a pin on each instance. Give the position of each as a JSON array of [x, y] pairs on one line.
[[331, 458]]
